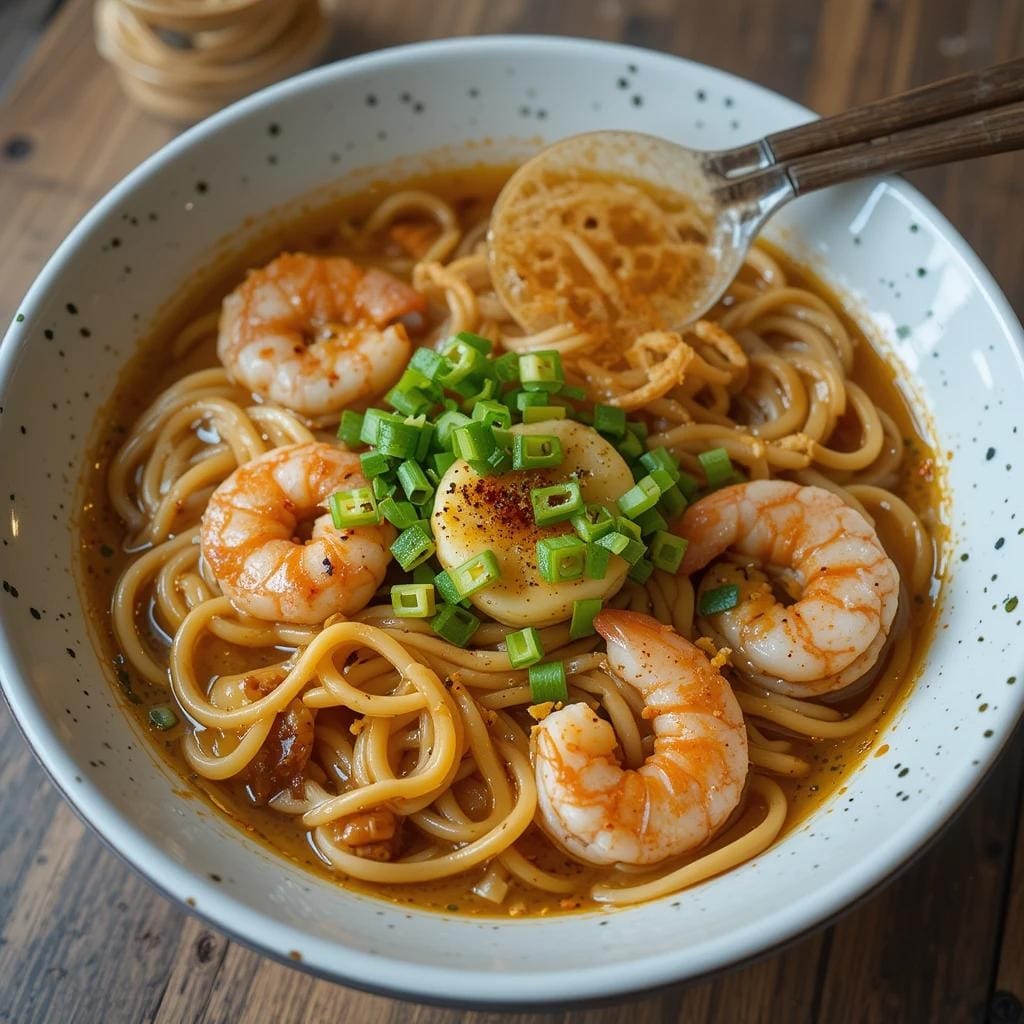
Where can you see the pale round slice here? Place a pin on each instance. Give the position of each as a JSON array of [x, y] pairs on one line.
[[474, 513]]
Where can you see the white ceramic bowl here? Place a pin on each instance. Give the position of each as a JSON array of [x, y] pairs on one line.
[[926, 295]]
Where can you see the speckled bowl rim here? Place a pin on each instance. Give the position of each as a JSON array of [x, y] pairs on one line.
[[431, 983]]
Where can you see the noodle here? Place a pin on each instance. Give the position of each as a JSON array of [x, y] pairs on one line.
[[424, 746]]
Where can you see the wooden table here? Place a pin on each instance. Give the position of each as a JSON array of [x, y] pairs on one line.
[[84, 939]]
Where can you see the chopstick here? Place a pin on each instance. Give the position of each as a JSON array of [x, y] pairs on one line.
[[941, 101]]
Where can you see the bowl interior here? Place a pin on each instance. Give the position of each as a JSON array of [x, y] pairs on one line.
[[925, 297]]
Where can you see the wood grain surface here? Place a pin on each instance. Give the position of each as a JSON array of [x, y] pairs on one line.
[[84, 939]]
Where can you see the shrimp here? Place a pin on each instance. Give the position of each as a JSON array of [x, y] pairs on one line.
[[687, 788], [315, 334], [846, 586], [249, 541]]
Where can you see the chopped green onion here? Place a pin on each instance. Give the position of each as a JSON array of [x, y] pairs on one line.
[[557, 503], [413, 600], [372, 419], [541, 413], [719, 599], [640, 571], [561, 558], [494, 414], [651, 521], [584, 612], [476, 573], [374, 464], [163, 717], [442, 462], [614, 542], [575, 393], [527, 399], [446, 588], [446, 424], [357, 507], [592, 522], [426, 438], [432, 365], [595, 565], [474, 392], [482, 345], [623, 545], [663, 480], [466, 360], [506, 368], [524, 647], [688, 486], [717, 467], [414, 482], [630, 447], [667, 550], [610, 420], [413, 545], [659, 458], [672, 503], [547, 682], [499, 461], [536, 451], [541, 371], [473, 442], [455, 624], [640, 497], [502, 437], [397, 438], [423, 574], [410, 402], [350, 428], [383, 487], [637, 427], [628, 527]]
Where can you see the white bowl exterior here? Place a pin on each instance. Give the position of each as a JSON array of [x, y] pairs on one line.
[[946, 323]]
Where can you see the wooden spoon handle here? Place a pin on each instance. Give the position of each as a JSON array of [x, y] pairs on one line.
[[977, 90], [959, 138]]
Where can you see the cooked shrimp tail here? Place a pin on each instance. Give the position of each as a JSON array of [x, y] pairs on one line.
[[249, 537], [846, 587], [685, 790]]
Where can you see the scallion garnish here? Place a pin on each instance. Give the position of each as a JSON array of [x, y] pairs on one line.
[[584, 612], [163, 717], [350, 428], [541, 371], [413, 600], [644, 494], [561, 558], [524, 647], [556, 503], [667, 550], [717, 467], [476, 573], [719, 599], [413, 545], [542, 413], [357, 507], [547, 682], [455, 624]]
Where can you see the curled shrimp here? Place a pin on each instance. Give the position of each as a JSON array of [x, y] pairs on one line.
[[316, 334], [249, 540], [685, 790], [846, 587]]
